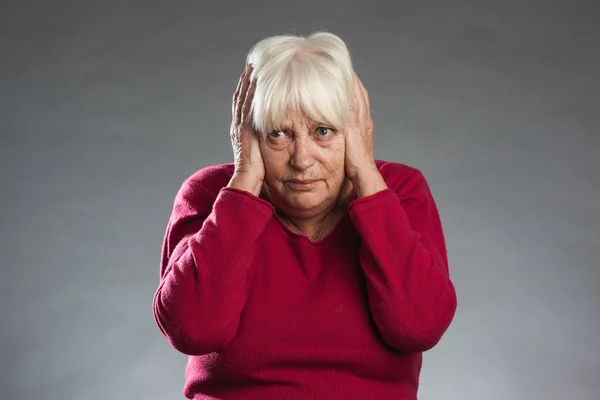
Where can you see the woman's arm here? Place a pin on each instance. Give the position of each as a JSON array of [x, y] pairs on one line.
[[205, 271], [403, 255]]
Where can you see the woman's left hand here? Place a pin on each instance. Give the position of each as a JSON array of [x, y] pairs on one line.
[[361, 169]]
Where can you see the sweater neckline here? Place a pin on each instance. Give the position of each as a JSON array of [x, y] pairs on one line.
[[287, 232], [284, 230]]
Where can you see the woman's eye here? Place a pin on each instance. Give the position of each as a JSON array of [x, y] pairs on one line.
[[277, 134], [323, 131]]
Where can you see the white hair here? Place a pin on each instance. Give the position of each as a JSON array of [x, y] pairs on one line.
[[308, 74]]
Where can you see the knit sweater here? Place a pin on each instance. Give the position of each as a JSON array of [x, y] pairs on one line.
[[264, 313]]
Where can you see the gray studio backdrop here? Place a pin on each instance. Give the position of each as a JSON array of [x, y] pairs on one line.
[[107, 106]]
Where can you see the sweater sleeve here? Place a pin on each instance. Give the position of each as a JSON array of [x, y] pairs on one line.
[[403, 255], [205, 271]]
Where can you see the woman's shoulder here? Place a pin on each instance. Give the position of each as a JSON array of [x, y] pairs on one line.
[[213, 175], [206, 182], [406, 180], [397, 174]]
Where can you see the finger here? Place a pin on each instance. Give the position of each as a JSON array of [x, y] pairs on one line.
[[366, 98], [246, 117], [239, 87], [359, 97], [236, 95], [355, 107], [241, 93], [365, 94]]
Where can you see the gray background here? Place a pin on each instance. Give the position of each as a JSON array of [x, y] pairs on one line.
[[107, 106]]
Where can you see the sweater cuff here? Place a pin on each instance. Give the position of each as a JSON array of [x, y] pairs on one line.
[[383, 205], [243, 197], [372, 201]]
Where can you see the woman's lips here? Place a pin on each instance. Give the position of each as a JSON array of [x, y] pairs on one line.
[[302, 185]]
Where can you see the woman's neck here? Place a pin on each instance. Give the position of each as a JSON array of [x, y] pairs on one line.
[[315, 230]]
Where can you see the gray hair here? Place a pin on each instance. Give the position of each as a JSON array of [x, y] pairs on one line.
[[312, 74]]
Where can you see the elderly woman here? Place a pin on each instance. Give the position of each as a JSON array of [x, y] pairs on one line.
[[306, 269]]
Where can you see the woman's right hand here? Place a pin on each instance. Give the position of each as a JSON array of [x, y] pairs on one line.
[[249, 172]]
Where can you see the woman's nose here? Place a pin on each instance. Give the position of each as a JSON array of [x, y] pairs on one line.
[[302, 158]]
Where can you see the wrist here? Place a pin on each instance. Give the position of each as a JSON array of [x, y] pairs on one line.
[[368, 183], [246, 183]]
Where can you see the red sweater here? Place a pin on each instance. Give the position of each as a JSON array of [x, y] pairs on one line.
[[263, 313]]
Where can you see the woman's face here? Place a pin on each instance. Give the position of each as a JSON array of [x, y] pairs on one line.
[[304, 166]]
